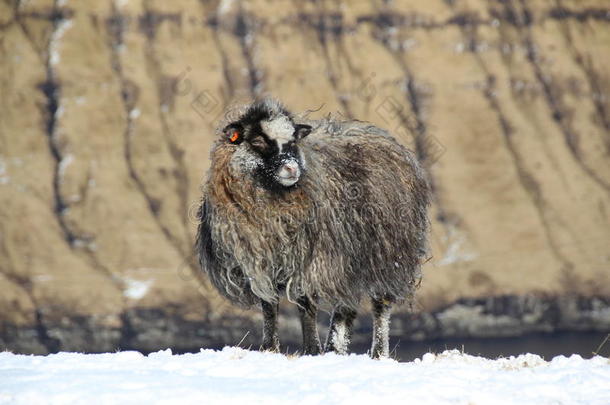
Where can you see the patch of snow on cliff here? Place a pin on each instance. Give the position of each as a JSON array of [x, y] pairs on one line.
[[63, 165], [4, 179], [62, 27], [134, 113], [136, 289], [455, 252], [225, 6]]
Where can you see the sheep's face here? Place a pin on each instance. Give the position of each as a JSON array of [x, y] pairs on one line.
[[266, 142]]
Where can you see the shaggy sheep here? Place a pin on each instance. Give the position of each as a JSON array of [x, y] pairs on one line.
[[322, 211]]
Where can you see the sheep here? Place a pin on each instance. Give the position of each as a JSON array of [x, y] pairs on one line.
[[321, 211]]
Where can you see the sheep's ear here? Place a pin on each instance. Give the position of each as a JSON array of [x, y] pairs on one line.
[[234, 133], [301, 131]]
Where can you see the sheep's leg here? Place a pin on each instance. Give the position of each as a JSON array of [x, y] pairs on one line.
[[340, 330], [309, 327], [271, 340], [381, 328]]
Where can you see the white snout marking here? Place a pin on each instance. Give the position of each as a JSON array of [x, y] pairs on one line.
[[289, 173]]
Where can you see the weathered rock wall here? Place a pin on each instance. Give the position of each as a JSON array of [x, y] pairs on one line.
[[108, 110]]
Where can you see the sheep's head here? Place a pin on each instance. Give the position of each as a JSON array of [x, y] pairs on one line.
[[266, 141]]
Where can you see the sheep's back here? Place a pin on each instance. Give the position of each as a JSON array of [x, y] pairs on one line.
[[371, 197]]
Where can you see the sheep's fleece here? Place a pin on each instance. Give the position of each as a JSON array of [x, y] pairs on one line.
[[354, 225]]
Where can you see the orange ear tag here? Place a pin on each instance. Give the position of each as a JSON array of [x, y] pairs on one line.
[[234, 136]]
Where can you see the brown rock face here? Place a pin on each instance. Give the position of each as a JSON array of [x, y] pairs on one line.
[[108, 110]]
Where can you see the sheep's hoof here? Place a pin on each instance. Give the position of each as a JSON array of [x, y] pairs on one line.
[[270, 348], [311, 350], [332, 349], [377, 354]]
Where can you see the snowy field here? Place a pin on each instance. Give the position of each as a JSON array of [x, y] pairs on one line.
[[238, 376]]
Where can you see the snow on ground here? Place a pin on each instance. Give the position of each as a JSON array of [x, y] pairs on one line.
[[238, 376]]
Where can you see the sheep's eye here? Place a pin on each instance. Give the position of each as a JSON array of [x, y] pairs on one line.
[[258, 143]]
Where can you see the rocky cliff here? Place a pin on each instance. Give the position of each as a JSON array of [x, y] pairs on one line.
[[108, 110]]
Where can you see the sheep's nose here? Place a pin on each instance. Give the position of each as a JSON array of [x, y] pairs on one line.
[[291, 168], [289, 173]]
